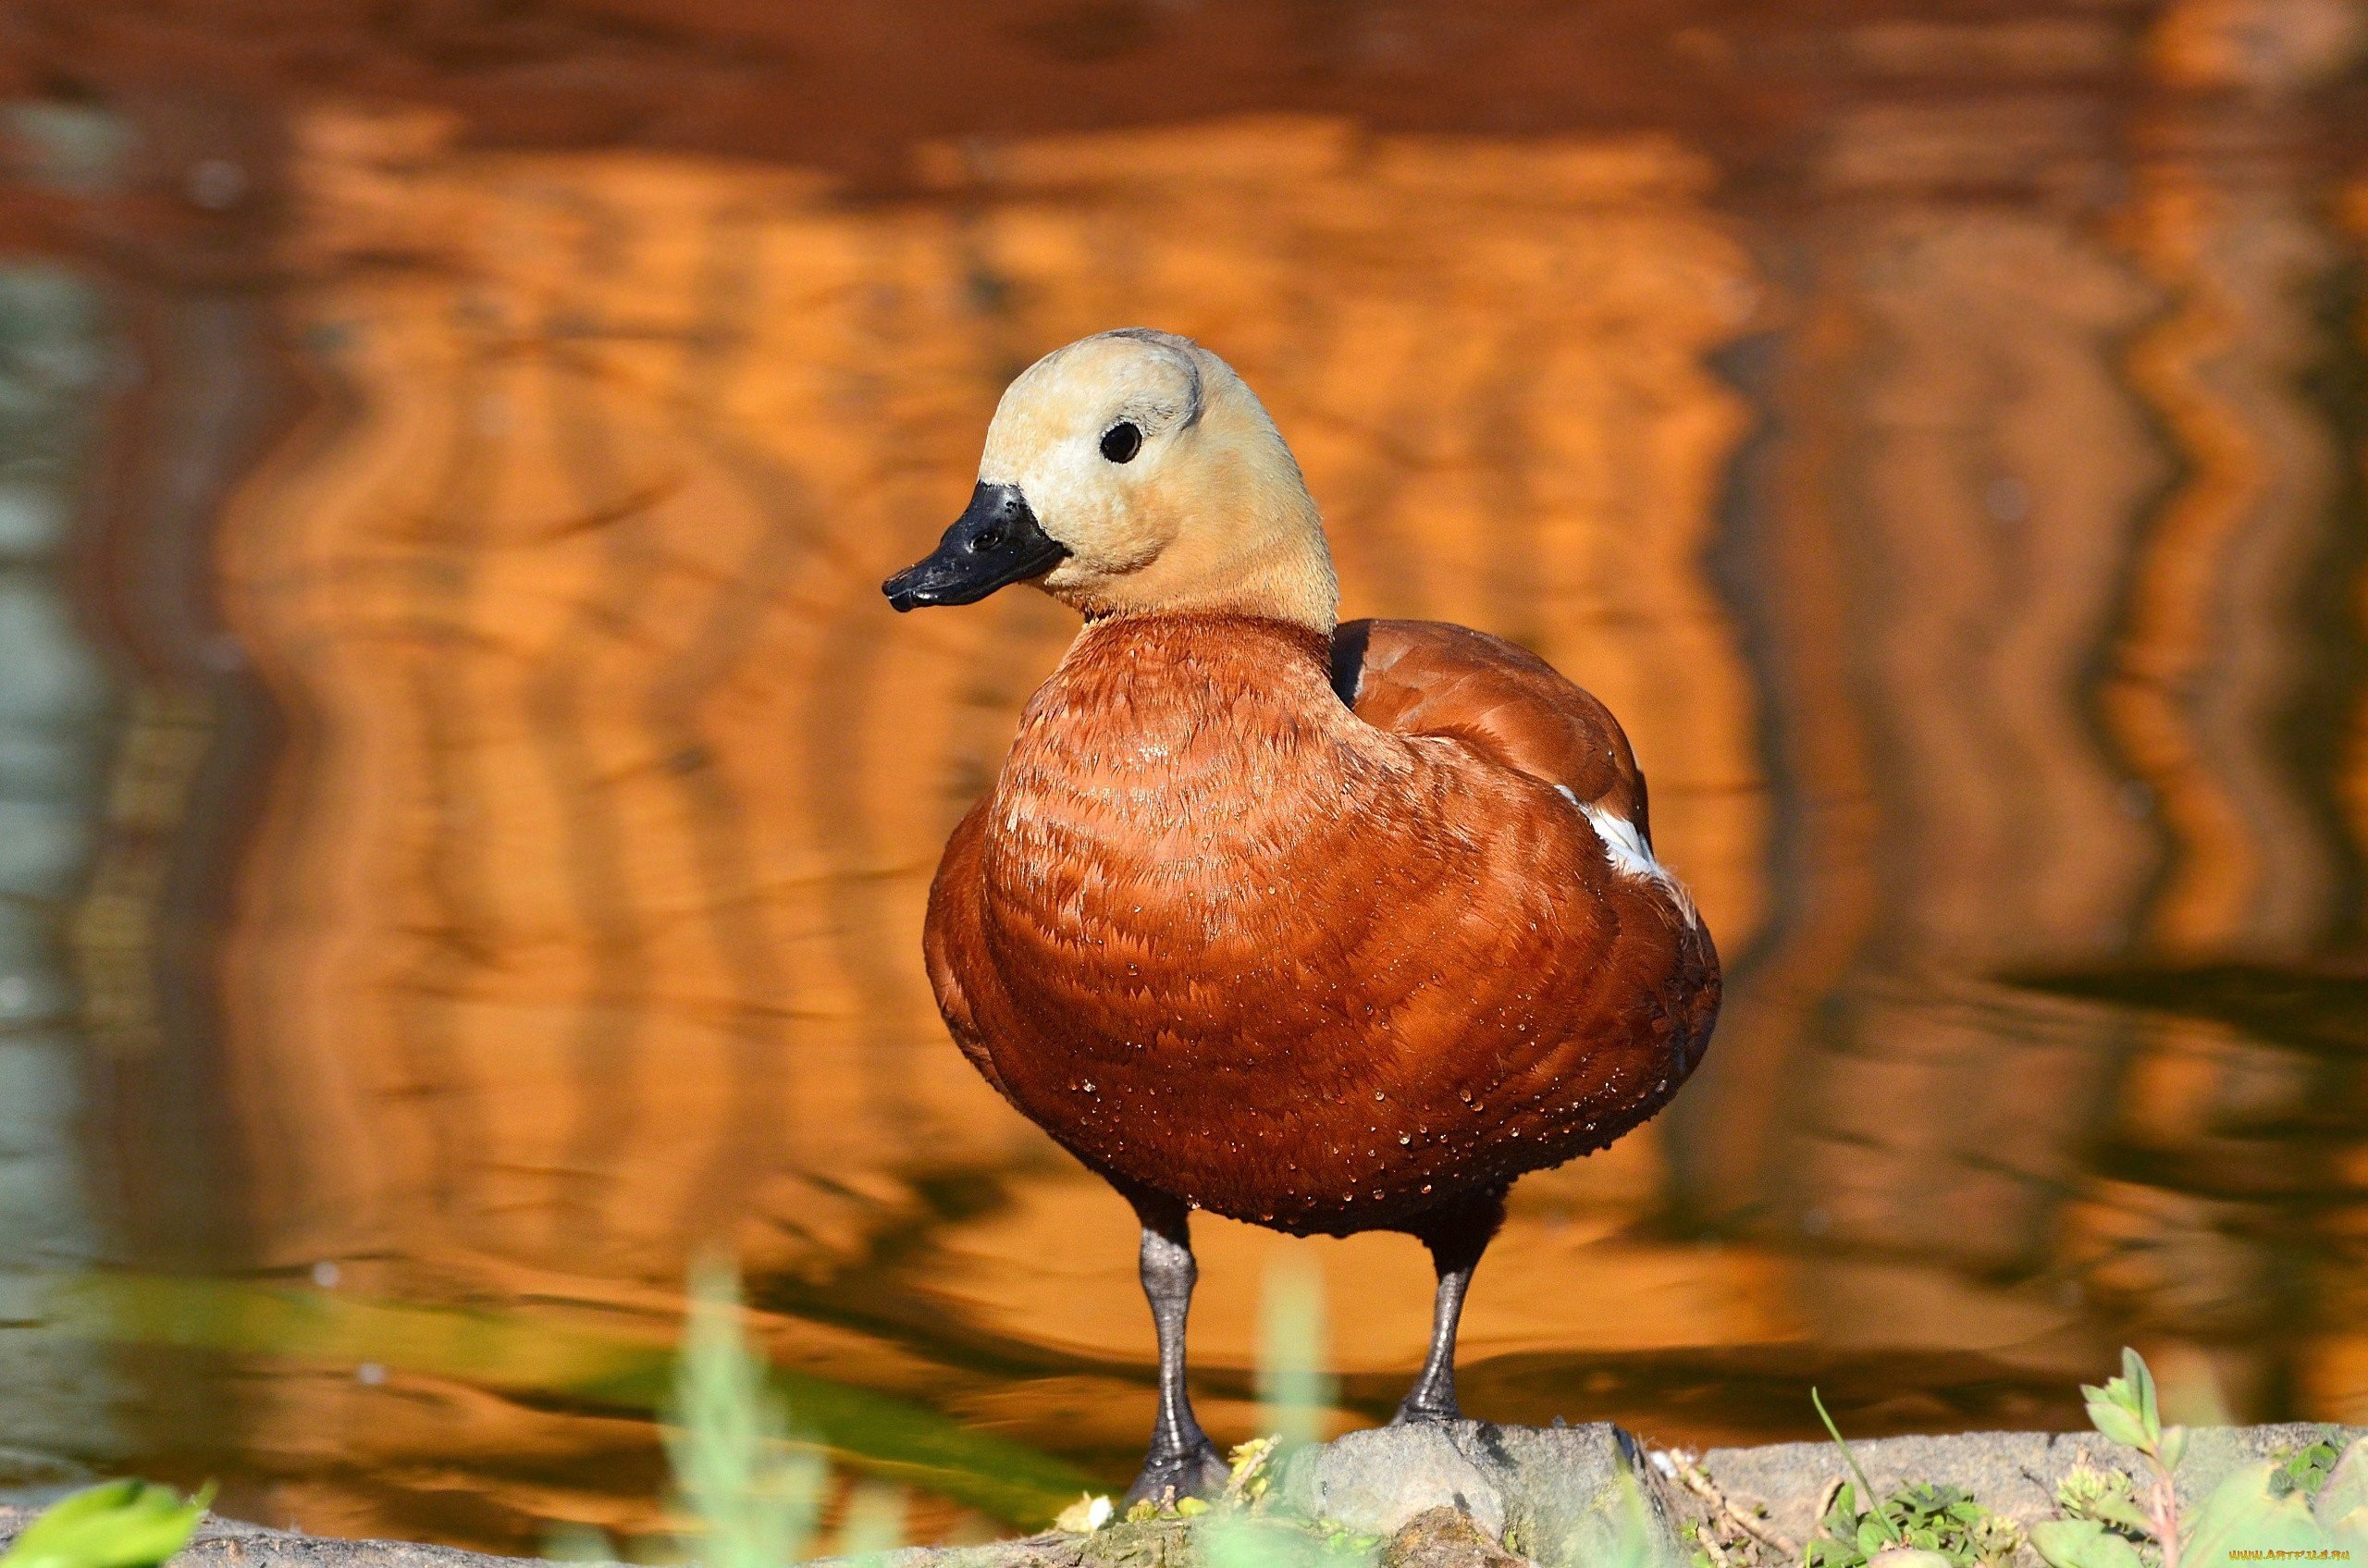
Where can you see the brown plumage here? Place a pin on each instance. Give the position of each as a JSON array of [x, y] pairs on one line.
[[1323, 969], [1330, 927]]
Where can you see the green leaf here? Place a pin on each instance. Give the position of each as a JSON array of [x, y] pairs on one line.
[[1908, 1557], [2082, 1543], [2342, 1503], [116, 1525], [2306, 1471], [2117, 1423], [2124, 1512], [2242, 1514], [2141, 1387], [2172, 1449]]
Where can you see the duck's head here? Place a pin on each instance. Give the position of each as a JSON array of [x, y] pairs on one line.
[[1133, 472]]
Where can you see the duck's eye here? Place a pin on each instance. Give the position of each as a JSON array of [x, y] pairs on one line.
[[986, 538], [1122, 442]]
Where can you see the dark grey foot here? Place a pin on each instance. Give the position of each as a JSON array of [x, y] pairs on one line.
[[1170, 1478], [1413, 1411]]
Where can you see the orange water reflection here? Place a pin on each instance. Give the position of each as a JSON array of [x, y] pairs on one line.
[[1969, 530]]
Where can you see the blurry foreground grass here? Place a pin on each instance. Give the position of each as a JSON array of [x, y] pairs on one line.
[[1296, 1389], [875, 1434], [114, 1525], [755, 1496], [751, 1493]]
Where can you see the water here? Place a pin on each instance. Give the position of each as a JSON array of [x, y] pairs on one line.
[[468, 811]]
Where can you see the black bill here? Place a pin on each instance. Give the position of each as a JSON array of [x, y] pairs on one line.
[[995, 541]]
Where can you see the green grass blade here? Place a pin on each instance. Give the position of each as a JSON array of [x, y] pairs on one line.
[[1294, 1390], [1868, 1500]]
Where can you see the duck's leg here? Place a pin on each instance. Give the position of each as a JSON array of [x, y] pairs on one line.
[[1456, 1242], [1182, 1462]]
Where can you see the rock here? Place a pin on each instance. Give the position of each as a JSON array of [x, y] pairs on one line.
[[1378, 1481], [1583, 1495], [1557, 1495], [1443, 1538]]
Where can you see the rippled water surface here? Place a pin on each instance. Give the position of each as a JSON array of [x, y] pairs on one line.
[[465, 810]]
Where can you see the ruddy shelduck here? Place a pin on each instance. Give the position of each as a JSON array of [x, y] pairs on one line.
[[1327, 927]]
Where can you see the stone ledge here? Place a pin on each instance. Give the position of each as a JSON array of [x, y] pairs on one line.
[[1556, 1490], [231, 1543]]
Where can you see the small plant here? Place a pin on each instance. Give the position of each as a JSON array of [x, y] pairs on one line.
[[2109, 1520], [2310, 1501], [1943, 1521], [114, 1525], [2105, 1497], [1921, 1521], [1933, 1526], [2305, 1470], [1251, 1469]]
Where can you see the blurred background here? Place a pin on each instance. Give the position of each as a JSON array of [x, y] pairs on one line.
[[465, 809]]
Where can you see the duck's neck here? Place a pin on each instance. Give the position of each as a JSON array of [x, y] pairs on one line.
[[1246, 540]]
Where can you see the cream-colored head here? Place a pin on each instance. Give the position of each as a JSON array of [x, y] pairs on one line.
[[1159, 472]]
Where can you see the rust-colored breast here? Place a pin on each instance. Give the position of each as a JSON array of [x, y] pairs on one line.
[[1320, 968]]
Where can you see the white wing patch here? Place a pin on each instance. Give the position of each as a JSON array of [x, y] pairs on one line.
[[1629, 855]]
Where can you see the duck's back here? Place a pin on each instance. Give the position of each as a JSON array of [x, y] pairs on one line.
[[1505, 703], [1323, 943]]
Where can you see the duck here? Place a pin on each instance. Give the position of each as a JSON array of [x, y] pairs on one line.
[[1326, 927]]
